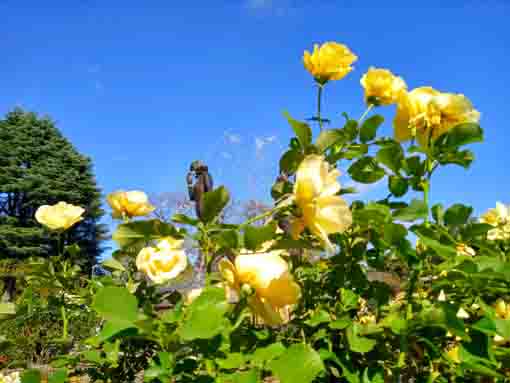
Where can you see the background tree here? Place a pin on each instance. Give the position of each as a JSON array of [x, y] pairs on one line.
[[39, 166]]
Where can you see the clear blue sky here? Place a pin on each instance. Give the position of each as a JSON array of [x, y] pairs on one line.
[[144, 88]]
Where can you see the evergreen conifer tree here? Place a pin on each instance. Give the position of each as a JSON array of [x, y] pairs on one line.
[[38, 166]]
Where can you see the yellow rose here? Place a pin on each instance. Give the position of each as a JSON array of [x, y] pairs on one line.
[[60, 216], [163, 262], [500, 219], [323, 212], [453, 353], [465, 250], [425, 112], [330, 61], [502, 309], [13, 377], [382, 87], [129, 203], [267, 274]]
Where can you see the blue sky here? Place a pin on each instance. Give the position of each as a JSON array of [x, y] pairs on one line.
[[144, 88]]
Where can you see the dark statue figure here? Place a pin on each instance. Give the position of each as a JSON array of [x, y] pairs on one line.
[[199, 173]]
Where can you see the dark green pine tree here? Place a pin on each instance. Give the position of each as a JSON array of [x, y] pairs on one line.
[[38, 166]]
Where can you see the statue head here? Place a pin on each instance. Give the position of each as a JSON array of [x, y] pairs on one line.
[[198, 166]]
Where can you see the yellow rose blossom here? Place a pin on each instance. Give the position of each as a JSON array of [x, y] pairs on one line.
[[500, 219], [367, 319], [425, 112], [163, 262], [330, 61], [13, 377], [502, 309], [315, 193], [129, 203], [267, 275], [463, 249], [382, 87], [453, 353], [60, 216]]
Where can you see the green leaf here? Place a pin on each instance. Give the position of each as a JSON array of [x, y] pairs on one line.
[[234, 360], [438, 213], [110, 329], [366, 170], [368, 130], [398, 186], [319, 317], [263, 355], [358, 343], [349, 299], [503, 327], [443, 251], [414, 166], [250, 376], [214, 202], [302, 131], [328, 138], [353, 151], [300, 363], [459, 135], [174, 314], [290, 161], [31, 376], [475, 229], [58, 376], [457, 214], [417, 209], [394, 233], [205, 316], [255, 236], [373, 213], [463, 158], [228, 239], [116, 304], [184, 219], [351, 129], [391, 156], [138, 233], [341, 323], [348, 370], [113, 264], [7, 309]]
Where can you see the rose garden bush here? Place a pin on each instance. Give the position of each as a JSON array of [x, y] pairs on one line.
[[313, 290]]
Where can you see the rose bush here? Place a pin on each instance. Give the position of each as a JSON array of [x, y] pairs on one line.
[[394, 290]]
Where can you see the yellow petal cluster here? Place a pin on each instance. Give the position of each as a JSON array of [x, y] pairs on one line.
[[453, 353], [465, 250], [129, 203], [13, 377], [502, 309], [60, 216], [163, 262], [382, 87], [500, 219], [330, 61], [267, 274], [426, 112], [323, 212]]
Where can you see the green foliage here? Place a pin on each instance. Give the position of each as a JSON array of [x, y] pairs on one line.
[[409, 292]]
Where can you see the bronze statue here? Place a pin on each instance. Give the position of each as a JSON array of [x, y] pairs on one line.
[[203, 184]]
